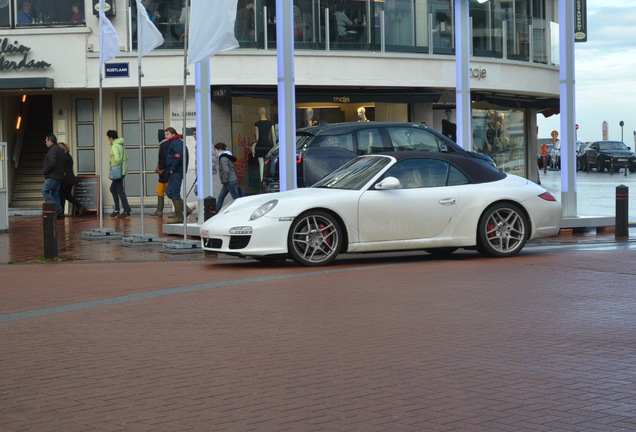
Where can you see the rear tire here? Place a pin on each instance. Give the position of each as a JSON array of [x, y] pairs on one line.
[[502, 231]]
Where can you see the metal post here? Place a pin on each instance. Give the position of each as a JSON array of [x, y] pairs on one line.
[[49, 217], [209, 207], [622, 212]]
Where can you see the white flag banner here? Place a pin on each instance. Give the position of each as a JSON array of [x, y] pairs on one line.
[[148, 36], [211, 29], [108, 39]]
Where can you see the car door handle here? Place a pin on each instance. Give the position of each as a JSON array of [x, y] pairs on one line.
[[448, 201]]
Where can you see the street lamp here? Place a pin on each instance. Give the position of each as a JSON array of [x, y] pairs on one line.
[[621, 124]]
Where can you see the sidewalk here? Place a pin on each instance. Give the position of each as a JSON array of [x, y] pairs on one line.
[[24, 243]]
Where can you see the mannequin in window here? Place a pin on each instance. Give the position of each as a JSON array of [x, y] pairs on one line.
[[309, 118], [264, 132], [362, 115], [449, 128]]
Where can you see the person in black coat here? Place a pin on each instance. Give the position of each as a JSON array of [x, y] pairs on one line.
[[66, 189], [53, 168]]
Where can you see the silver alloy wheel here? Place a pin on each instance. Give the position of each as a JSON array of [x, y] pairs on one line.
[[315, 239], [503, 231]]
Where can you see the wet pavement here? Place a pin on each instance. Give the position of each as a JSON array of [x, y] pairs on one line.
[[24, 241]]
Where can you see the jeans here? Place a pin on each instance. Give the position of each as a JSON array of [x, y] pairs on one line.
[[227, 187], [51, 192], [174, 186], [117, 189]]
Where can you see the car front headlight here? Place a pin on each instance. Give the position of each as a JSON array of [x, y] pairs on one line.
[[263, 209]]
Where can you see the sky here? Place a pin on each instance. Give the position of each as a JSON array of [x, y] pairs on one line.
[[605, 75]]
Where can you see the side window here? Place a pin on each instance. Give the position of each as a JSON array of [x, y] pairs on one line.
[[370, 141], [334, 141], [455, 177], [421, 173], [413, 139]]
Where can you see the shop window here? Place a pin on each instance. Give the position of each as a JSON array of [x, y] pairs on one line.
[[85, 135], [169, 16], [42, 12], [500, 134], [142, 158]]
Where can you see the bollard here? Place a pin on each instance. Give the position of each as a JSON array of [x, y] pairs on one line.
[[622, 212], [49, 219], [209, 207]]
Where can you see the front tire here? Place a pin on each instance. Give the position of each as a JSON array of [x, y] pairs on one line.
[[502, 231], [315, 239]]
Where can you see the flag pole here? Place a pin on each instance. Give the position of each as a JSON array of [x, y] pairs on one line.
[[148, 38], [100, 208], [184, 150], [108, 49], [140, 74]]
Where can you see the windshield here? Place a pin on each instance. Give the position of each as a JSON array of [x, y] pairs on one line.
[[302, 140], [612, 145], [354, 174]]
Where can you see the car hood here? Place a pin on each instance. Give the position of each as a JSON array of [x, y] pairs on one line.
[[617, 152], [290, 202]]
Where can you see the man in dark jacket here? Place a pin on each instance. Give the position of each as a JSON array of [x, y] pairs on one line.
[[53, 173]]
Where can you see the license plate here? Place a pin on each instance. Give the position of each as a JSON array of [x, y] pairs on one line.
[[621, 160]]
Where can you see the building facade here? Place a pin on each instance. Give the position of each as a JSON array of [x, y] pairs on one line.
[[395, 58]]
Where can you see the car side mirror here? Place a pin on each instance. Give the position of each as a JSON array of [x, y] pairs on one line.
[[388, 184]]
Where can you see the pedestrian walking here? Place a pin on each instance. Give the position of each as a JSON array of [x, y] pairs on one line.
[[66, 189], [227, 173], [163, 172], [176, 165], [118, 170], [53, 168]]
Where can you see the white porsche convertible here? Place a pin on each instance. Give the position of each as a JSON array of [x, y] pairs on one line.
[[436, 202]]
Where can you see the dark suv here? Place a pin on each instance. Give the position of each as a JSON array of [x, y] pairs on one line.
[[324, 148], [611, 155]]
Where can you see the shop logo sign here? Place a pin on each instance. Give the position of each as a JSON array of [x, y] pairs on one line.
[[15, 50]]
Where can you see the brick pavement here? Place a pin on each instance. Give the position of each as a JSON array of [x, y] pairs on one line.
[[540, 342]]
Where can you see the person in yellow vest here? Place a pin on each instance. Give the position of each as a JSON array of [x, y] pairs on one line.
[[118, 158]]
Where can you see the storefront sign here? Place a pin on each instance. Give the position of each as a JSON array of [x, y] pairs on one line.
[[478, 73], [580, 21], [115, 70], [109, 7], [179, 114], [15, 56]]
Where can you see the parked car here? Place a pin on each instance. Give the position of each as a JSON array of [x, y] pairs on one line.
[[580, 154], [323, 148], [611, 155], [436, 202]]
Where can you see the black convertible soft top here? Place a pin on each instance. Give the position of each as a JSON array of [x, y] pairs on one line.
[[477, 170]]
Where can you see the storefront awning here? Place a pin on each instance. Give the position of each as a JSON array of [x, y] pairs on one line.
[[339, 95], [26, 83], [512, 101]]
